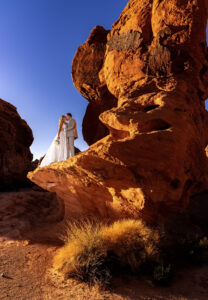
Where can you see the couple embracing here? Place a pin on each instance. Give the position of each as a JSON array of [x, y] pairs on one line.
[[62, 146]]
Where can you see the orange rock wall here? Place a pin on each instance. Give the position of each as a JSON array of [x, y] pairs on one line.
[[86, 67], [15, 140], [153, 67]]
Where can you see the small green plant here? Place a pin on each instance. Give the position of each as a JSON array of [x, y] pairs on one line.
[[194, 249], [187, 248], [203, 243], [162, 273]]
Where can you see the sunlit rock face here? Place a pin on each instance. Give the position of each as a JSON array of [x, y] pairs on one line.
[[148, 77], [15, 140], [86, 67]]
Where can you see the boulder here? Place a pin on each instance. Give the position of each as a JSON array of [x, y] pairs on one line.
[[15, 140], [154, 64]]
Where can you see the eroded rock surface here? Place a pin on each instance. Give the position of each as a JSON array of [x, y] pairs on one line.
[[154, 66], [15, 140], [87, 64]]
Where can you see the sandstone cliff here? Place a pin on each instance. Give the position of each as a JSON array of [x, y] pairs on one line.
[[87, 65], [15, 140], [146, 81]]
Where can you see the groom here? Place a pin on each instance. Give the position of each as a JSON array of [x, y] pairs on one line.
[[70, 134]]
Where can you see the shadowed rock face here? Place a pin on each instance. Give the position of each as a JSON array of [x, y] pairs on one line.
[[153, 69], [15, 140]]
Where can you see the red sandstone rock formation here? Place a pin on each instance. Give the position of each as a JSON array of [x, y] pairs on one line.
[[155, 64], [21, 211], [87, 64], [15, 140]]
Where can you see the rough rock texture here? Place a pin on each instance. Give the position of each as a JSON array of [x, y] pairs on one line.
[[21, 211], [86, 66], [155, 64], [15, 140]]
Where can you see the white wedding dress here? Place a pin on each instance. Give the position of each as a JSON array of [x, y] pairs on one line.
[[56, 152]]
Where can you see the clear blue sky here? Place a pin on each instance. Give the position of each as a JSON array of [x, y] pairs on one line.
[[38, 41]]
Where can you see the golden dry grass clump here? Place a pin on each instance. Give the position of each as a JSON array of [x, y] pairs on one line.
[[83, 254], [92, 250], [131, 241]]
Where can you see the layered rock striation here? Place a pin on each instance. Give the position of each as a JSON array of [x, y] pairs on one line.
[[15, 140], [146, 81]]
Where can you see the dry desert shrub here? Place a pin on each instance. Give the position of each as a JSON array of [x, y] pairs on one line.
[[92, 250], [83, 255], [131, 242]]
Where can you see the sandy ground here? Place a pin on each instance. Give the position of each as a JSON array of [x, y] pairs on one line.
[[28, 241]]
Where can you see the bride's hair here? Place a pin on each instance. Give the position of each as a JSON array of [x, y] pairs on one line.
[[61, 119]]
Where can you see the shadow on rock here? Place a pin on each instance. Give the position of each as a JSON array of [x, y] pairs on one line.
[[30, 214]]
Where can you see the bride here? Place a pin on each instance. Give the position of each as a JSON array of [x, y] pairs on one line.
[[58, 149]]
